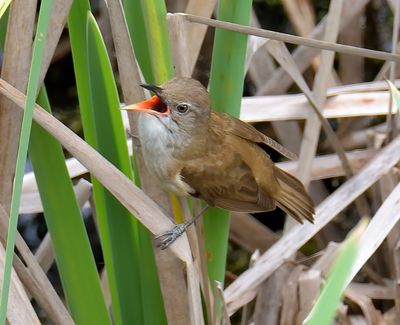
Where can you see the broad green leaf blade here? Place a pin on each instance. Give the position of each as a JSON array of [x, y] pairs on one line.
[[328, 301], [226, 88], [117, 226], [74, 257], [148, 28], [136, 25], [38, 49]]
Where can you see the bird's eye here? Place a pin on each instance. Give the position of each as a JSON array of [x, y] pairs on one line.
[[182, 108]]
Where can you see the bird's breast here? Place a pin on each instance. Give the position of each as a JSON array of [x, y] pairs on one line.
[[156, 144], [159, 146]]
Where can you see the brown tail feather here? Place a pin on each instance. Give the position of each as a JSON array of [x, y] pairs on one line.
[[293, 198]]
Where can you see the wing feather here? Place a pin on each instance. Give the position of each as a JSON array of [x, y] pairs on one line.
[[248, 132]]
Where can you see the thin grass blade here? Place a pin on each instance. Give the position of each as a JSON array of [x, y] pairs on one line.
[[324, 309], [38, 49], [3, 29]]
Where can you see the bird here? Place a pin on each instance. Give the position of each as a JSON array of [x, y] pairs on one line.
[[194, 150]]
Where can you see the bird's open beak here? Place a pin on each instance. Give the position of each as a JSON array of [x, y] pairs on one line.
[[154, 106]]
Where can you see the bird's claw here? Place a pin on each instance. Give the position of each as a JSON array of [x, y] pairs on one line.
[[168, 237]]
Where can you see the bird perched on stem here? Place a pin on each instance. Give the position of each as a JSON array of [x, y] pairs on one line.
[[193, 150]]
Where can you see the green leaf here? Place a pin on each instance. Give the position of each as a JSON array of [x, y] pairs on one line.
[[4, 4], [73, 253], [148, 28], [118, 228], [328, 301], [3, 29]]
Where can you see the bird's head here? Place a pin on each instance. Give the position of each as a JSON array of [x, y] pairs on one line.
[[181, 103]]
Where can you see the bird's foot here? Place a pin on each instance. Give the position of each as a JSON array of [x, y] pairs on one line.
[[168, 237]]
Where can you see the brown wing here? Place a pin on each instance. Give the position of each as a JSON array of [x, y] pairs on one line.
[[224, 180], [248, 132], [229, 187]]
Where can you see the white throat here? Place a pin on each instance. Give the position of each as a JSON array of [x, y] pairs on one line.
[[158, 144]]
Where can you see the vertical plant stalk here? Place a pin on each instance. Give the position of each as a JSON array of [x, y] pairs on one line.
[[15, 70], [38, 49], [226, 88]]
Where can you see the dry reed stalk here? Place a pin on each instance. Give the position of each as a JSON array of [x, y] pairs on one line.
[[378, 228], [35, 279], [372, 316], [20, 310], [361, 87], [270, 297], [310, 283], [15, 69], [59, 14], [290, 297], [301, 14], [297, 107], [259, 64], [196, 33], [45, 253], [75, 169], [178, 36], [329, 166], [31, 202], [374, 291], [292, 39]]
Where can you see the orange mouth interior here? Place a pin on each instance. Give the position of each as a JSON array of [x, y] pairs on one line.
[[154, 106]]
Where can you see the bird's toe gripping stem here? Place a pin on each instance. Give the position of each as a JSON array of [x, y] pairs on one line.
[[168, 237]]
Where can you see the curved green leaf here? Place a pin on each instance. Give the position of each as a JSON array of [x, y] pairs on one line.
[[73, 253]]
